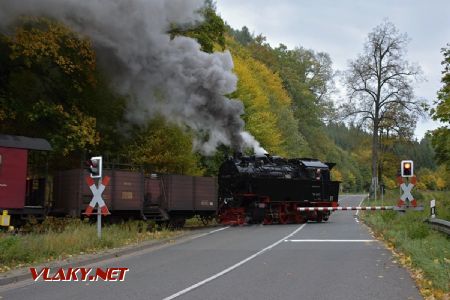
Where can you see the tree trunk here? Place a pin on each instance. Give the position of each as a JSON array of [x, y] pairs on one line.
[[375, 159]]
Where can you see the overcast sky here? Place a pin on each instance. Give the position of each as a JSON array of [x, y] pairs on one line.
[[340, 28]]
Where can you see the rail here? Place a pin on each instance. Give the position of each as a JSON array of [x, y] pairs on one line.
[[440, 225]]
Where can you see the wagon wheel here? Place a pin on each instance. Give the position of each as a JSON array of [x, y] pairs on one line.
[[177, 222], [205, 220], [283, 216]]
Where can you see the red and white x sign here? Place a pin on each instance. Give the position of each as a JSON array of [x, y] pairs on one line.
[[407, 196], [97, 192]]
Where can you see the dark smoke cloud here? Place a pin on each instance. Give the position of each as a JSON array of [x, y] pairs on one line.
[[162, 75]]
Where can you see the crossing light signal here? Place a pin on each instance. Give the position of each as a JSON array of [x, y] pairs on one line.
[[407, 168], [95, 166]]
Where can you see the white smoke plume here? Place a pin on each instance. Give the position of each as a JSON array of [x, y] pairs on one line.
[[165, 76], [250, 140]]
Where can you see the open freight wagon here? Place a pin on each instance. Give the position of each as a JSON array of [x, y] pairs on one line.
[[131, 194]]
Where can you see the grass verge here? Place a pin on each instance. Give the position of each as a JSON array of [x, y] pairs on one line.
[[63, 238], [424, 251]]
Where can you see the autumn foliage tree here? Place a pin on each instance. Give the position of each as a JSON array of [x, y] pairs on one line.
[[163, 147], [441, 136], [50, 87], [268, 107], [45, 69], [380, 86]]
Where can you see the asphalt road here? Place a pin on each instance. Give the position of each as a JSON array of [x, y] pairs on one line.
[[337, 259]]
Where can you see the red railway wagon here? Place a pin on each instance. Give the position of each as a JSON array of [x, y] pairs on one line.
[[20, 194]]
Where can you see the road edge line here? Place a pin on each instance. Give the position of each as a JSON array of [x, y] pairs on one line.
[[113, 253]]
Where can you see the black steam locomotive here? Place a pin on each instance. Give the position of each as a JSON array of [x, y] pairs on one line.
[[267, 189]]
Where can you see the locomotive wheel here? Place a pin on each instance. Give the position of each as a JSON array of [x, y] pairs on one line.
[[295, 216], [319, 217], [298, 218], [283, 217], [267, 220]]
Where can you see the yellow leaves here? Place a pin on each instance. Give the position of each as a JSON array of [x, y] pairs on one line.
[[433, 179], [389, 182], [76, 129], [5, 113], [336, 174], [40, 39], [405, 260], [364, 154], [440, 183], [166, 147], [263, 125], [81, 129], [421, 186], [268, 112]]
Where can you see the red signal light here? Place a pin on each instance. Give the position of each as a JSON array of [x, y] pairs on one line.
[[407, 168]]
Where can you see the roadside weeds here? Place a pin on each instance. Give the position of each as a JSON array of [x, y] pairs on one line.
[[420, 249]]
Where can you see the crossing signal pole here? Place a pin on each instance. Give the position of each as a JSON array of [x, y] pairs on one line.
[[95, 168]]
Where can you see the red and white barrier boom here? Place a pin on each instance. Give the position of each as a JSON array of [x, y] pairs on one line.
[[332, 208]]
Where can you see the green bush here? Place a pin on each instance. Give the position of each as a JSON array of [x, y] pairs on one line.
[[417, 230]]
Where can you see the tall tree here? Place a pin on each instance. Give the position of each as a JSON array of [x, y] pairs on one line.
[[45, 71], [441, 136], [50, 87], [163, 147], [379, 84]]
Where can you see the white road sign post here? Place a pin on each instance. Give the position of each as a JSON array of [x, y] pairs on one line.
[[433, 208]]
